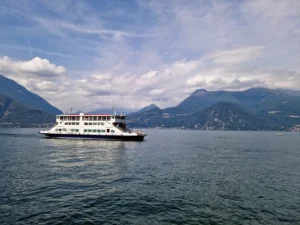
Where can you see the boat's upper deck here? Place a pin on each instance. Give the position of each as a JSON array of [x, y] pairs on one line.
[[91, 117]]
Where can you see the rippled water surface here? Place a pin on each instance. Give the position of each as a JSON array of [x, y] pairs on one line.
[[174, 177]]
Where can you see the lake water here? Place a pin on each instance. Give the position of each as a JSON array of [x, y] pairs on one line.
[[174, 177]]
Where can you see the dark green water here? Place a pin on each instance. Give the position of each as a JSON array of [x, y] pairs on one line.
[[174, 177]]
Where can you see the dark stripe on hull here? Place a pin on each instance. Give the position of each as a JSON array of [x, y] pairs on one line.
[[100, 137]]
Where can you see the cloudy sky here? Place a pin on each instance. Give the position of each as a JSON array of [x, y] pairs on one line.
[[97, 53]]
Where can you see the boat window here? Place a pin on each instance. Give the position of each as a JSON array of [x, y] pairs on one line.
[[112, 131], [77, 130], [94, 123], [86, 123], [64, 129], [73, 123], [90, 123], [98, 131], [89, 130], [84, 130], [112, 117], [95, 131], [107, 130], [102, 123], [108, 117], [59, 129], [103, 131], [90, 118], [77, 123]]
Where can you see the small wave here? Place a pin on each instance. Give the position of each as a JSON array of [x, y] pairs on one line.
[[220, 137], [20, 135]]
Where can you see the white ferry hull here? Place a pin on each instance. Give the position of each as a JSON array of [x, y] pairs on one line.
[[96, 136]]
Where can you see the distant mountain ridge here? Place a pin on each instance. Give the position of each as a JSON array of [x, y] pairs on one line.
[[249, 98], [274, 109], [13, 90], [13, 113]]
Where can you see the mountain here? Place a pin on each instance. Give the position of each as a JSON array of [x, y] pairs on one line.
[[221, 116], [13, 113], [103, 111], [228, 116], [259, 108], [250, 98], [255, 99], [13, 90], [146, 108], [290, 92]]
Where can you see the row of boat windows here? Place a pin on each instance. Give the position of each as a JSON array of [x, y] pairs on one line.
[[64, 129], [93, 123], [96, 118], [87, 130], [102, 118], [68, 117], [99, 131], [90, 118], [74, 130], [72, 123], [77, 123]]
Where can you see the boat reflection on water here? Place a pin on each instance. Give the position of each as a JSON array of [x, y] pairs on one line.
[[86, 163]]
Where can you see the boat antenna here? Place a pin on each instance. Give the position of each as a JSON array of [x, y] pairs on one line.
[[113, 109]]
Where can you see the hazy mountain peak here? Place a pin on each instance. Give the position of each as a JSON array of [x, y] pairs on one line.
[[146, 108], [17, 92], [199, 92]]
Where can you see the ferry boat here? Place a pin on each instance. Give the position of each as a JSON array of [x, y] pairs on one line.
[[93, 126]]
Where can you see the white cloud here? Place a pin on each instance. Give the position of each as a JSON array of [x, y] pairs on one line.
[[182, 67], [36, 66], [233, 78], [58, 27], [156, 92], [236, 55], [149, 75]]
